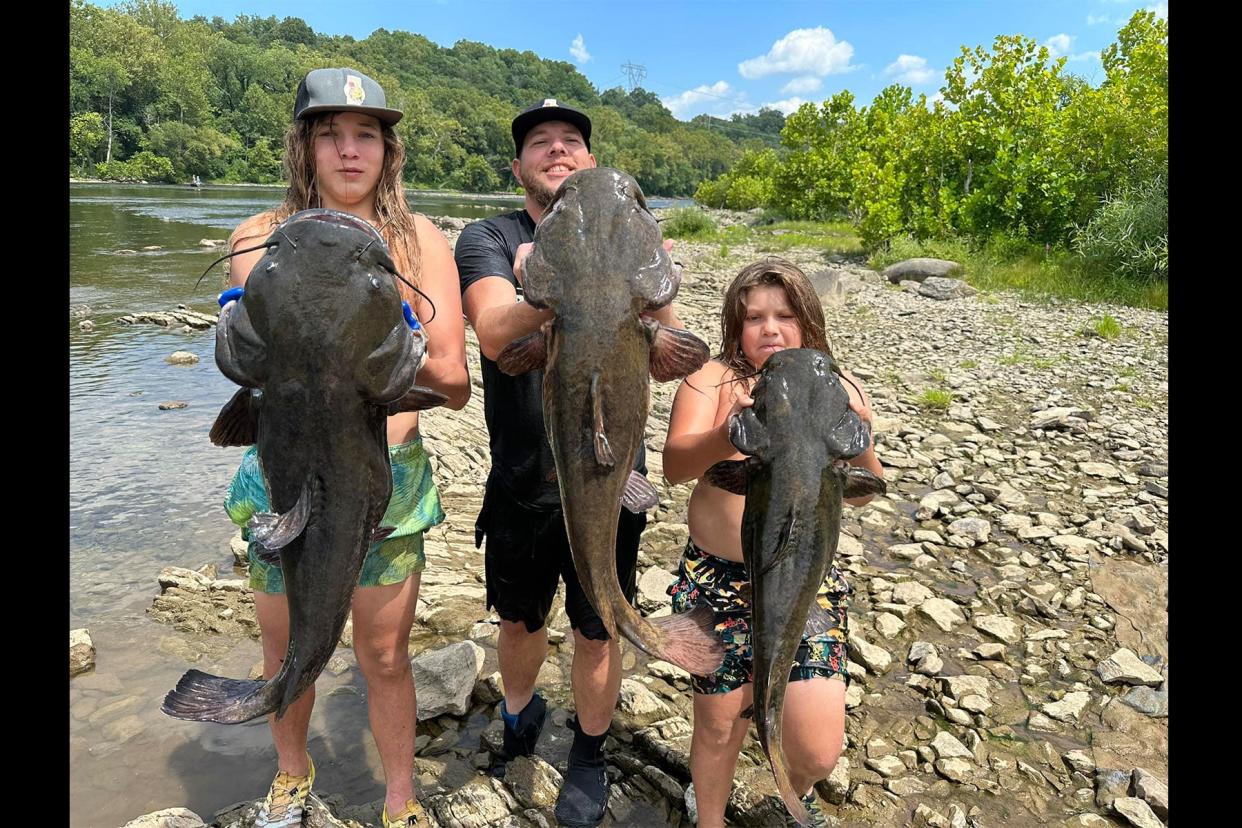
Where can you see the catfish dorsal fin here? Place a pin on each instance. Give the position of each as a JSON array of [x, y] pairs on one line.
[[599, 436]]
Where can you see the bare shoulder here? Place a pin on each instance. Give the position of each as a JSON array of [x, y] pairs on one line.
[[427, 230], [254, 229]]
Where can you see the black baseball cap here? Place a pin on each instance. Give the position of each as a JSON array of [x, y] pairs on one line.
[[342, 90], [549, 110]]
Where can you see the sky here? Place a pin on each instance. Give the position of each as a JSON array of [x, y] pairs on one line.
[[725, 56]]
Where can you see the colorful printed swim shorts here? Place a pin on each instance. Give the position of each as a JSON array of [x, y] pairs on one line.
[[703, 577], [413, 509]]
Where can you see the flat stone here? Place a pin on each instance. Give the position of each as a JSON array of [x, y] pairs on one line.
[[889, 625], [948, 747], [1106, 470], [638, 706], [955, 770], [942, 289], [445, 679], [1137, 812], [1124, 667], [959, 686], [911, 592], [975, 528], [533, 781], [998, 626], [974, 703], [920, 268], [181, 358], [167, 818], [886, 766], [924, 658], [876, 659], [1154, 703], [81, 652], [1069, 708], [942, 612], [990, 652]]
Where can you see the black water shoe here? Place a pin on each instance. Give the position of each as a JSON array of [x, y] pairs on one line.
[[584, 792], [521, 733]]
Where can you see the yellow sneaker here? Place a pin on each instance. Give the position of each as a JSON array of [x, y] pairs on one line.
[[285, 804], [411, 815]]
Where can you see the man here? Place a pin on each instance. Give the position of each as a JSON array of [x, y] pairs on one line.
[[527, 550]]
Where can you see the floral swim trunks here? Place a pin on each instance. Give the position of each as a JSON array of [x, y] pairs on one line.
[[413, 509], [703, 577]]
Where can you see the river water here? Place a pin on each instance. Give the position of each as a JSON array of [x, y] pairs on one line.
[[145, 492]]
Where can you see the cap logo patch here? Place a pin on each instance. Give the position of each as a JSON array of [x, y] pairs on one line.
[[354, 93], [549, 102]]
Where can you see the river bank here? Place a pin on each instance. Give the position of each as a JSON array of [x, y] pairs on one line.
[[1021, 548]]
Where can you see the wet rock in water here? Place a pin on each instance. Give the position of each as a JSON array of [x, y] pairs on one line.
[[1136, 812], [81, 652], [212, 242], [173, 405], [920, 269], [167, 818], [1124, 667], [445, 679], [182, 578], [86, 325], [181, 358], [533, 781]]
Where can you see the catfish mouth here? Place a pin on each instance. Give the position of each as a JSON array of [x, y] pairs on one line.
[[334, 217]]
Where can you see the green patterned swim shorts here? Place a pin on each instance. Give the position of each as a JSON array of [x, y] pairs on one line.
[[413, 509]]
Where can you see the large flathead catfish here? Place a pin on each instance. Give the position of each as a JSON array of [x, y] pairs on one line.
[[322, 352], [598, 262], [797, 435]]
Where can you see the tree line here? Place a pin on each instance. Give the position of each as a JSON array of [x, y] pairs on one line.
[[1014, 147], [159, 98]]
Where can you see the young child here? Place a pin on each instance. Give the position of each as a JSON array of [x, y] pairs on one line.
[[770, 306]]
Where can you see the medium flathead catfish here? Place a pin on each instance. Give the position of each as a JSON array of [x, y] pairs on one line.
[[797, 434], [322, 352], [597, 263]]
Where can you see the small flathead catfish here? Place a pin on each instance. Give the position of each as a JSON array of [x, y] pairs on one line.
[[797, 434], [597, 263], [322, 352]]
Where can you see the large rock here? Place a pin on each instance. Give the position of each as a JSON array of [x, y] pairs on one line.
[[653, 589], [1124, 667], [875, 659], [167, 818], [948, 747], [998, 626], [638, 706], [1069, 708], [1137, 812], [911, 592], [445, 679], [918, 270], [829, 287], [945, 289], [81, 652], [924, 658], [480, 803]]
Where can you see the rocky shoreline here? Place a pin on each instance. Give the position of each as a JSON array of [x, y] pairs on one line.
[[1008, 620]]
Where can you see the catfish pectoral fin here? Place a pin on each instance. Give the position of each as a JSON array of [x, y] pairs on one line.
[[381, 533], [747, 434], [274, 531], [268, 556], [689, 640], [639, 494], [675, 353], [859, 483], [237, 424], [818, 621], [524, 354], [418, 398], [730, 475], [603, 451]]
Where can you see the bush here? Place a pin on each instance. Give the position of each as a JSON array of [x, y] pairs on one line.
[[144, 166], [687, 223], [1129, 234]]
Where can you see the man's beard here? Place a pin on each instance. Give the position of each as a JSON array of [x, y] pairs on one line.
[[539, 193]]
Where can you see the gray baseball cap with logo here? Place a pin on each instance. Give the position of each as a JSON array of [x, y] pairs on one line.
[[342, 90]]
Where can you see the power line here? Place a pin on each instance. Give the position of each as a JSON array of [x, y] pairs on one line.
[[635, 73]]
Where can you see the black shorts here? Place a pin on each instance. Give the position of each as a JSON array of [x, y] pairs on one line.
[[528, 551]]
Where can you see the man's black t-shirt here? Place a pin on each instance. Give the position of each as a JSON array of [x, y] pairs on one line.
[[513, 406]]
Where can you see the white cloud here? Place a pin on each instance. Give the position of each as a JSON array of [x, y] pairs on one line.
[[910, 69], [1161, 9], [1059, 45], [719, 99], [787, 106], [1094, 19], [802, 85], [802, 52], [1083, 56], [579, 51]]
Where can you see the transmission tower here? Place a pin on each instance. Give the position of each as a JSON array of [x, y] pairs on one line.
[[635, 73]]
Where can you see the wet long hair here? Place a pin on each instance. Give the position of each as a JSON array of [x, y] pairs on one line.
[[395, 217], [803, 301]]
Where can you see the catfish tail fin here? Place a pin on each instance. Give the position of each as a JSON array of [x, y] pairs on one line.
[[200, 697], [689, 640]]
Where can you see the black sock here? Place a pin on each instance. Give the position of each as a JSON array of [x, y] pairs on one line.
[[587, 748]]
